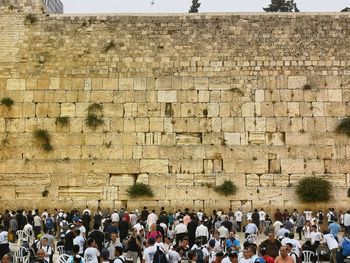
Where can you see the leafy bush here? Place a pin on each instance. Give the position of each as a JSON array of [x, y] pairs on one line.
[[45, 193], [31, 18], [226, 188], [62, 121], [94, 117], [140, 189], [7, 102], [313, 189], [344, 126], [110, 45], [44, 137]]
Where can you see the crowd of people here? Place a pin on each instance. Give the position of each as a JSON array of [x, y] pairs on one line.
[[154, 236]]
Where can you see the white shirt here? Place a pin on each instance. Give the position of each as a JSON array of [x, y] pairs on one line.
[[79, 240], [200, 216], [4, 237], [251, 228], [91, 255], [204, 250], [82, 231], [138, 226], [181, 228], [249, 215], [133, 219], [262, 216], [223, 232], [238, 216], [119, 259], [202, 231], [347, 219], [277, 226], [315, 236], [173, 256], [160, 245], [330, 241], [296, 244], [308, 215], [37, 220], [27, 229], [307, 232], [148, 254], [115, 217], [152, 219]]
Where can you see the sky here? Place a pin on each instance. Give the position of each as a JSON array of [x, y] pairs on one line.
[[182, 6]]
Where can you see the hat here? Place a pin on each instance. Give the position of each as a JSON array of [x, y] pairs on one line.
[[71, 226], [219, 254], [181, 220], [62, 235], [79, 220]]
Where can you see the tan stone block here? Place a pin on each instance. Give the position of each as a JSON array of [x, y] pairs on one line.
[[296, 82], [110, 84], [16, 84], [122, 166], [290, 166], [54, 83], [65, 83], [335, 95], [280, 109], [232, 138], [184, 179], [248, 109], [293, 109], [97, 83], [213, 109], [28, 110], [141, 124], [314, 166], [167, 96], [259, 95], [68, 109], [203, 96], [101, 96], [154, 166], [143, 178], [3, 84], [78, 83], [41, 109], [156, 124], [305, 109], [150, 152], [163, 83], [71, 96], [276, 138], [257, 138]]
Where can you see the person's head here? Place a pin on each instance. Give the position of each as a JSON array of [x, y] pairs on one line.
[[219, 256], [153, 227], [44, 241], [252, 250], [313, 228], [114, 237], [198, 242], [118, 251], [283, 251], [184, 242], [40, 254], [246, 253], [232, 235], [192, 255], [307, 222], [167, 240], [289, 247], [91, 242], [233, 257], [77, 232], [151, 241], [158, 238], [262, 252], [96, 226], [105, 254], [6, 258], [76, 249], [271, 236]]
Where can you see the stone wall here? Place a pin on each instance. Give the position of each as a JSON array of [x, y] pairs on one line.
[[188, 101]]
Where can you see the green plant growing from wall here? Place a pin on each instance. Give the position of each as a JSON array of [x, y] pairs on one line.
[[109, 46], [140, 190], [44, 138], [313, 189], [226, 188], [94, 117], [237, 91], [344, 126], [7, 102], [31, 19], [45, 193], [63, 121]]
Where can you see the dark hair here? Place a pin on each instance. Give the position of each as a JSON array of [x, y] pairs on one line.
[[77, 231], [119, 249], [191, 254], [89, 241], [76, 249]]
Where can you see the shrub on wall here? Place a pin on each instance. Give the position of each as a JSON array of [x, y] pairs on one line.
[[140, 190], [7, 102], [313, 189], [226, 188], [94, 117], [344, 126], [44, 138]]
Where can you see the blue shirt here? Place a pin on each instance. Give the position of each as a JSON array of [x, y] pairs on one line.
[[232, 243], [334, 229]]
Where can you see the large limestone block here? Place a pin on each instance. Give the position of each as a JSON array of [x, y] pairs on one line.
[[289, 166], [167, 96], [121, 180], [68, 109], [109, 84], [121, 166], [154, 166], [16, 84], [184, 179], [232, 138], [296, 82]]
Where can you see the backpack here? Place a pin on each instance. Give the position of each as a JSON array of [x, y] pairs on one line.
[[346, 248], [298, 259], [159, 257], [200, 255]]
